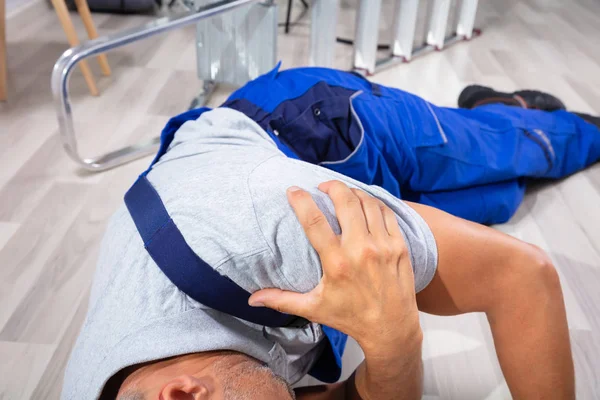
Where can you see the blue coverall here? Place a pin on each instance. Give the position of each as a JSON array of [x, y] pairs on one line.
[[470, 163]]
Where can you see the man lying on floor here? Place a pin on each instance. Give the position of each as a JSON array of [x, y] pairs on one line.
[[165, 323]]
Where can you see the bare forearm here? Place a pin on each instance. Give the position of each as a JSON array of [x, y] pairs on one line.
[[391, 373], [383, 375], [514, 283], [532, 341]]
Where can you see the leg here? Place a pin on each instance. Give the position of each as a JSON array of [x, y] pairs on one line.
[[86, 16], [573, 142], [497, 143], [475, 95], [460, 148], [488, 204], [67, 24], [431, 149], [3, 66], [594, 120], [515, 284]]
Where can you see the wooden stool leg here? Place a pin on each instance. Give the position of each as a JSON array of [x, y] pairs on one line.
[[3, 67], [67, 24], [88, 22]]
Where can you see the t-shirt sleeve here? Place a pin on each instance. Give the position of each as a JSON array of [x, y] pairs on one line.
[[297, 261]]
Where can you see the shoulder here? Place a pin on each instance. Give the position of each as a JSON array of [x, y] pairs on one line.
[[268, 183]]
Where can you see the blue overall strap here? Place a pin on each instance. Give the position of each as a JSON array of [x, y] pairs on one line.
[[168, 248]]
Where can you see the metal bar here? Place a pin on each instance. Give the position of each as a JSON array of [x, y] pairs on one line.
[[401, 43], [466, 19], [239, 46], [367, 34], [420, 51], [436, 33], [208, 88], [69, 59], [322, 34], [405, 21]]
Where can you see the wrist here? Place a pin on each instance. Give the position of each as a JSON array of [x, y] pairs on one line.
[[389, 345], [392, 374]]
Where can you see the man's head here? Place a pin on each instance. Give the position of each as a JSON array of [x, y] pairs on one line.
[[219, 375]]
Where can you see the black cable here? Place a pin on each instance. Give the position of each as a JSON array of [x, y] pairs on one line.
[[287, 18], [351, 42], [292, 24], [289, 24]]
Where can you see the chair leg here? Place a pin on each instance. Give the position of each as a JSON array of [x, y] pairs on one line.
[[88, 22], [3, 67], [67, 24]]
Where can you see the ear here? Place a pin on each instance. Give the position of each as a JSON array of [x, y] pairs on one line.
[[185, 387]]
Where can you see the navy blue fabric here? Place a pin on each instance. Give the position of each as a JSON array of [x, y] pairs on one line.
[[317, 125], [168, 248]]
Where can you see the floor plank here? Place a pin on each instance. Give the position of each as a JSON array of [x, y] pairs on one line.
[[22, 366], [25, 254]]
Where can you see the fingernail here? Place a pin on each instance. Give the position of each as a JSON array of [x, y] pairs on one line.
[[294, 188], [256, 304]]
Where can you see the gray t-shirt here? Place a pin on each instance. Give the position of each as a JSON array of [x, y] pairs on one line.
[[223, 181]]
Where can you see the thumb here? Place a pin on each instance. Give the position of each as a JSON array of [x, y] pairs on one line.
[[283, 301]]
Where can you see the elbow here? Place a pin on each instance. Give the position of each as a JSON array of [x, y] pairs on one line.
[[543, 274], [530, 283]]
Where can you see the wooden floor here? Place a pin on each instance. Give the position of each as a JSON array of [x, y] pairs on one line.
[[52, 214]]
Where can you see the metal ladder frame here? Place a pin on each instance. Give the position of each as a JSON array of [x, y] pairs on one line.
[[70, 58], [405, 19], [324, 16]]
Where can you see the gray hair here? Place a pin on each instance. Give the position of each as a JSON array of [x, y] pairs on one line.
[[132, 395], [231, 382], [232, 385]]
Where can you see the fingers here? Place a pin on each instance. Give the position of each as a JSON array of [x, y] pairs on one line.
[[379, 217], [314, 223], [391, 223], [373, 210], [348, 209], [299, 304]]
